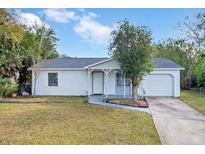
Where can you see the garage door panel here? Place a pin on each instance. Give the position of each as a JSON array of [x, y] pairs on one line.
[[159, 85]]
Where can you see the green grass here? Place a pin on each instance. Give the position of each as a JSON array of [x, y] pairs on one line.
[[50, 99], [194, 99], [73, 121]]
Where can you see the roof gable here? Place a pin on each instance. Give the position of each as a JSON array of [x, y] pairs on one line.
[[108, 64]]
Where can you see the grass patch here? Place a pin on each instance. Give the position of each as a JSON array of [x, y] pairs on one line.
[[73, 122], [41, 99], [194, 99]]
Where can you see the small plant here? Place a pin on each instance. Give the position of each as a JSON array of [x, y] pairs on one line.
[[7, 86]]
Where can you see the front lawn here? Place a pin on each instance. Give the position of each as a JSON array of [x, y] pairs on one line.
[[72, 121], [194, 99]]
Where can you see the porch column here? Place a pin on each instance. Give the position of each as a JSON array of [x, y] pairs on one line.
[[88, 81], [106, 71], [106, 85]]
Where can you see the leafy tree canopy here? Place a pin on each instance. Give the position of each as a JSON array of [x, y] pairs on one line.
[[16, 43], [131, 46], [200, 73]]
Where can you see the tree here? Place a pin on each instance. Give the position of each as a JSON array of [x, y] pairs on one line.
[[11, 34], [200, 73], [16, 42], [194, 32], [43, 44], [53, 54], [28, 42], [181, 52], [131, 46], [10, 59], [7, 86], [64, 56], [9, 28]]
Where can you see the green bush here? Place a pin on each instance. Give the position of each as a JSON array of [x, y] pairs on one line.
[[7, 86], [200, 74]]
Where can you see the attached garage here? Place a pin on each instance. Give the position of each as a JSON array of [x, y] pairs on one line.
[[159, 85]]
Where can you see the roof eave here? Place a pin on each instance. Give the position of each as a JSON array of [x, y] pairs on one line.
[[181, 68], [58, 69]]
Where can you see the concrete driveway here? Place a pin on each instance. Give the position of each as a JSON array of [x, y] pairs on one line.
[[176, 122]]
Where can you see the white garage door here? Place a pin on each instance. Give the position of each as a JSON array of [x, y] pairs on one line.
[[159, 85]]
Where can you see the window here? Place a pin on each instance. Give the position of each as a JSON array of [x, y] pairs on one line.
[[52, 79], [120, 80]]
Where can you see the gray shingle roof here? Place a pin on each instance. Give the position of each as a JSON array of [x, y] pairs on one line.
[[165, 63], [70, 62], [82, 62]]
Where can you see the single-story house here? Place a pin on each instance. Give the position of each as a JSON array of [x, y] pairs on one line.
[[90, 76]]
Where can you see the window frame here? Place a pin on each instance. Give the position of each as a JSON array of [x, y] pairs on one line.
[[121, 78], [52, 83]]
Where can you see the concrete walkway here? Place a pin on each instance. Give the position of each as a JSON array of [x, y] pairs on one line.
[[176, 122], [98, 100]]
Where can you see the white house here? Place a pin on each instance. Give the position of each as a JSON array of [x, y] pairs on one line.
[[89, 76]]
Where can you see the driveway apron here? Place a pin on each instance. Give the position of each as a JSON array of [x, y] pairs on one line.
[[176, 122]]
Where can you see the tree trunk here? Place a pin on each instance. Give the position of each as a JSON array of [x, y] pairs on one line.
[[190, 80], [134, 93], [34, 88]]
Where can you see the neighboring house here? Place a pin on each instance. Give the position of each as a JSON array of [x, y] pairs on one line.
[[87, 76]]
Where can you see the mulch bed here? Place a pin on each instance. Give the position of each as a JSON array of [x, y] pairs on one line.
[[140, 103]]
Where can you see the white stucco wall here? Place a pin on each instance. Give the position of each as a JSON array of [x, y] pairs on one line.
[[69, 83], [73, 83]]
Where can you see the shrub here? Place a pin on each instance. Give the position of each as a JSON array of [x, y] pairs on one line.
[[7, 86], [200, 74]]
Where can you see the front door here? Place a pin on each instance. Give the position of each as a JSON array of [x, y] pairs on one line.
[[97, 82]]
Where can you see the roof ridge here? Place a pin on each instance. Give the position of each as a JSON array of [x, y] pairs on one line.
[[89, 57], [80, 58]]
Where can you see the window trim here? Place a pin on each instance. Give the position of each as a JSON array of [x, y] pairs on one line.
[[126, 80], [49, 82]]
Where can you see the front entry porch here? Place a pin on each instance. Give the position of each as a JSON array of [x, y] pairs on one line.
[[109, 83]]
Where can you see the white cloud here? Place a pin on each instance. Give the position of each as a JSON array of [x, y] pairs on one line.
[[60, 15], [29, 19], [85, 23], [91, 30]]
